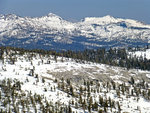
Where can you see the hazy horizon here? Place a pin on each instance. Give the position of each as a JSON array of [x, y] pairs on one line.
[[77, 10]]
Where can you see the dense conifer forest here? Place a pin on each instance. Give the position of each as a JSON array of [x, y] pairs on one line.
[[115, 57]]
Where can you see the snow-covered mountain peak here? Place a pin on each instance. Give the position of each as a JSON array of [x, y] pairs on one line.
[[53, 15], [9, 17], [100, 20], [107, 20], [108, 17], [50, 20], [52, 28]]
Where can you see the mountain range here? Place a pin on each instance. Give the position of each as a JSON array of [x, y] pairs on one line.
[[53, 32]]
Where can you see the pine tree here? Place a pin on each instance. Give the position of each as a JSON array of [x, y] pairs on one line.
[[119, 108], [71, 90], [43, 80], [101, 100], [69, 109], [95, 106], [100, 111], [84, 105], [80, 99], [132, 80]]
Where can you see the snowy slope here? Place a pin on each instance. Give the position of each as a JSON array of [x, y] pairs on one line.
[[143, 54], [48, 68], [91, 32]]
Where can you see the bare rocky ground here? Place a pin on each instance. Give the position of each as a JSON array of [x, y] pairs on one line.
[[100, 72]]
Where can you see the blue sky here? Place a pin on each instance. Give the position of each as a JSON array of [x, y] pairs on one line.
[[76, 10]]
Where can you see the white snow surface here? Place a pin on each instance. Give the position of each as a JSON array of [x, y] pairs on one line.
[[143, 54], [20, 70], [96, 27]]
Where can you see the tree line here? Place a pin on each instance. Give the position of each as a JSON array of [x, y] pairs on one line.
[[115, 57]]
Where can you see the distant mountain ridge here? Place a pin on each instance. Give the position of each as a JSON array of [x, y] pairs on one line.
[[53, 32]]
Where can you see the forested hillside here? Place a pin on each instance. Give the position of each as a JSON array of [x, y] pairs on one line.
[[51, 82]]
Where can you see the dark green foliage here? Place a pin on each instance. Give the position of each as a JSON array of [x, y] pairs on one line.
[[71, 90], [115, 57], [43, 80], [132, 80]]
